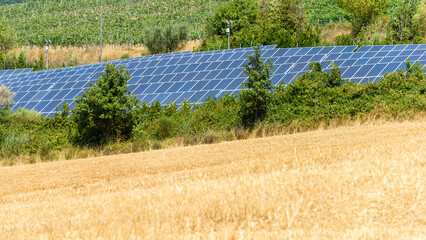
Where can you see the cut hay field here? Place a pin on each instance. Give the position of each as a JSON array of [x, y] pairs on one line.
[[359, 182]]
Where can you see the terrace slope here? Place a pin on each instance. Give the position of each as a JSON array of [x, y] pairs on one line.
[[357, 182]]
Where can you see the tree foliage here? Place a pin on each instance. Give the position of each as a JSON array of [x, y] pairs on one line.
[[317, 98], [106, 111], [256, 94], [167, 39], [281, 22], [243, 13], [6, 98], [362, 12], [406, 21]]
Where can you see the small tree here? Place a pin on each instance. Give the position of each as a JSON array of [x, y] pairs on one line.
[[165, 39], [404, 24], [362, 12], [107, 110], [6, 98], [256, 94]]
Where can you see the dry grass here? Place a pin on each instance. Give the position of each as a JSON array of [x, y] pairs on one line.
[[90, 54], [331, 31], [360, 182]]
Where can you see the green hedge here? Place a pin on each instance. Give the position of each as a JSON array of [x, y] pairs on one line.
[[314, 99]]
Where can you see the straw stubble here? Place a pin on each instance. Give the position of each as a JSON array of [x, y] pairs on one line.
[[362, 182]]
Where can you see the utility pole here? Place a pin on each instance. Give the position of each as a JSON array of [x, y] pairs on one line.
[[100, 57], [228, 31], [48, 42]]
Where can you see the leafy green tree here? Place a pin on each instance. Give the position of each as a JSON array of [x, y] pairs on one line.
[[6, 98], [22, 60], [362, 12], [280, 22], [256, 94], [243, 14], [165, 39], [403, 25], [106, 111]]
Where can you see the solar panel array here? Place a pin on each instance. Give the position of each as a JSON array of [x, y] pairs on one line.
[[174, 77], [7, 73]]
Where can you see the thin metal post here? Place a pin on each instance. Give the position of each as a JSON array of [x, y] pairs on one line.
[[229, 46], [48, 42], [228, 31]]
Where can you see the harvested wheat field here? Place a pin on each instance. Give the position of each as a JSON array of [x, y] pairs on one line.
[[360, 182]]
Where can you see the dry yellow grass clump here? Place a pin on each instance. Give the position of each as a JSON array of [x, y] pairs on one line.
[[362, 182], [90, 54], [331, 31]]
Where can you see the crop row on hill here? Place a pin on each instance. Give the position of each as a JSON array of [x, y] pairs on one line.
[[77, 22]]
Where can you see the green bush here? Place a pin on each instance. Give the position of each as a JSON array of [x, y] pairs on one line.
[[165, 39], [269, 22], [256, 95], [6, 98], [125, 56], [404, 25], [362, 12], [108, 116], [345, 40], [12, 143], [165, 128], [106, 111]]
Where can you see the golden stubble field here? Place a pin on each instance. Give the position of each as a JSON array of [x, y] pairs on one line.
[[360, 182]]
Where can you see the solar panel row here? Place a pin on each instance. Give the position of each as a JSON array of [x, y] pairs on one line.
[[174, 77]]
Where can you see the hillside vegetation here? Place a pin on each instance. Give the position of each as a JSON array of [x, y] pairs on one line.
[[166, 25], [361, 182], [77, 22]]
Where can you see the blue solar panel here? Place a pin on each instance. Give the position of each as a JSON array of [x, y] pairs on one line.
[[194, 76], [175, 87], [363, 71], [178, 77]]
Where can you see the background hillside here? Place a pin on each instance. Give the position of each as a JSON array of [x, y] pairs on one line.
[[77, 22]]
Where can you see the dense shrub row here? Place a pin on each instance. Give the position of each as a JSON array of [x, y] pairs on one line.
[[100, 125]]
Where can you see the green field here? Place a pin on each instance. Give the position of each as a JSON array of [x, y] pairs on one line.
[[77, 22]]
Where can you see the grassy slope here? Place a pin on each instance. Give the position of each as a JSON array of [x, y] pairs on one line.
[[349, 183], [77, 22]]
